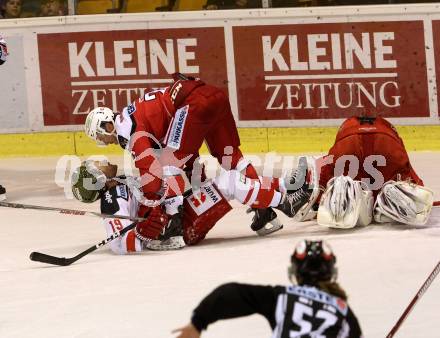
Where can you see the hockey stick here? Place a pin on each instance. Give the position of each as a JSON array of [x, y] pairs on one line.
[[413, 302], [68, 211], [62, 261]]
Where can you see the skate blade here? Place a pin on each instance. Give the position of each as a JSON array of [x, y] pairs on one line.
[[270, 228], [172, 243]]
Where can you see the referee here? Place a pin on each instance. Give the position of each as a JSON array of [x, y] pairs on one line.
[[315, 307]]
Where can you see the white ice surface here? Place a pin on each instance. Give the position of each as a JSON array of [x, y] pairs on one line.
[[148, 294]]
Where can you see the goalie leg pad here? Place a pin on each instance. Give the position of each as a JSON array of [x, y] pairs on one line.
[[404, 202], [202, 210], [345, 204]]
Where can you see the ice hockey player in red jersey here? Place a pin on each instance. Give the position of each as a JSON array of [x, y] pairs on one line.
[[315, 307], [367, 175], [180, 118], [3, 57]]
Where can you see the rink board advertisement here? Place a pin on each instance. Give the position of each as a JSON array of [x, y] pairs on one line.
[[332, 70], [280, 68], [80, 71]]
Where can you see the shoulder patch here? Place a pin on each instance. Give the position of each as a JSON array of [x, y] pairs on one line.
[[122, 191], [131, 108], [109, 202]]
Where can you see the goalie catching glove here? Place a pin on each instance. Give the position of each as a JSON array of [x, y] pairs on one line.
[[403, 202]]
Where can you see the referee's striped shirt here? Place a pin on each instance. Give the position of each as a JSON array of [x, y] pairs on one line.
[[292, 311]]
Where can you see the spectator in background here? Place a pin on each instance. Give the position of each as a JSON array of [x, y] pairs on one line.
[[10, 9], [52, 8], [168, 7], [232, 4], [13, 9]]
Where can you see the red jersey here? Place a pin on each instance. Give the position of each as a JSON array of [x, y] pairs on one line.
[[144, 125], [363, 137]]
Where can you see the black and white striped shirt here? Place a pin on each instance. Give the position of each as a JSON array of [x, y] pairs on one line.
[[292, 311]]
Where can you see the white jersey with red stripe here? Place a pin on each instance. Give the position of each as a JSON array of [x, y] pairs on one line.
[[120, 201]]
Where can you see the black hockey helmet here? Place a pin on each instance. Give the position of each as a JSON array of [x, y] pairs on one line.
[[312, 262]]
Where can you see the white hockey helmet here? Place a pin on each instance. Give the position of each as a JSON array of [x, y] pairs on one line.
[[95, 123]]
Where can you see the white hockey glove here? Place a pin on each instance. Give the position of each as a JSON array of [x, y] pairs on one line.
[[404, 202], [345, 204]]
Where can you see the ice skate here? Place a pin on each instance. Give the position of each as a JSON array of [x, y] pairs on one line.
[[299, 176], [305, 175], [291, 203], [265, 221]]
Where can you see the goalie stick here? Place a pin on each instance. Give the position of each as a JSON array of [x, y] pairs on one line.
[[68, 211], [62, 261], [413, 302]]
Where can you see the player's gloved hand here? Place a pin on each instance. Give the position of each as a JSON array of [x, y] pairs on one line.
[[187, 331], [150, 229]]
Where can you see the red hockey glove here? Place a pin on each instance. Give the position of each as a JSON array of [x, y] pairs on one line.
[[151, 228]]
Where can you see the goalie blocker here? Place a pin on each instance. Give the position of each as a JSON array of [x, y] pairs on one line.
[[202, 210]]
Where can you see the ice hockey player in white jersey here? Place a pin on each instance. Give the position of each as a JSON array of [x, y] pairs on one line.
[[3, 56], [315, 307], [201, 210], [91, 184]]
